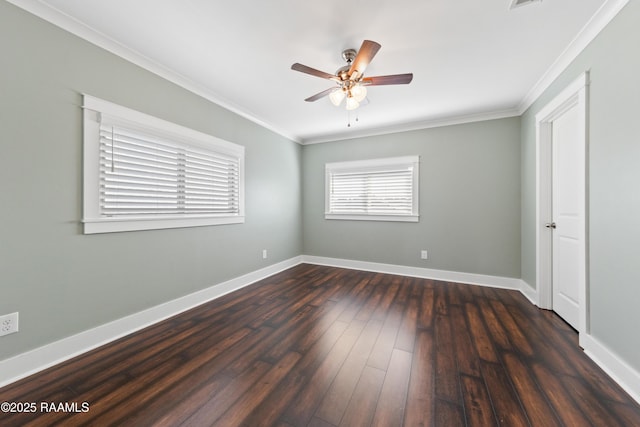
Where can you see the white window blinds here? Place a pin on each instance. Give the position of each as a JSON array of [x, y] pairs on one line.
[[380, 189], [144, 175], [141, 173]]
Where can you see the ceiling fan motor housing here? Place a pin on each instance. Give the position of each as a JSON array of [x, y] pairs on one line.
[[348, 55]]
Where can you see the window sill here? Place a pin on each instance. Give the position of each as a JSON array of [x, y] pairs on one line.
[[113, 225], [393, 218]]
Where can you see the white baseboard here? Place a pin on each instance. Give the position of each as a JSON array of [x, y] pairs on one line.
[[41, 358], [627, 377], [530, 293], [425, 273]]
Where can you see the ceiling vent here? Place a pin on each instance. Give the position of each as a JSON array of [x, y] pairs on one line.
[[518, 3]]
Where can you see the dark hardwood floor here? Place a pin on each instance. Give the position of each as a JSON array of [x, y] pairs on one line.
[[322, 346]]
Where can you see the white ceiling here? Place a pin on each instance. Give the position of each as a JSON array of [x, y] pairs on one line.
[[471, 59]]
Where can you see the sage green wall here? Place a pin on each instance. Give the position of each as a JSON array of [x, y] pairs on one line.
[[613, 182], [469, 200], [63, 282]]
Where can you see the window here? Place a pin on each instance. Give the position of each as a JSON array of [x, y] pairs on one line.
[[144, 173], [376, 190]]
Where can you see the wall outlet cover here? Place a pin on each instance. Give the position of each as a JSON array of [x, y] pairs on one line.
[[8, 324]]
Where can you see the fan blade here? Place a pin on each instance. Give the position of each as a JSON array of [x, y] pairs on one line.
[[313, 72], [395, 79], [366, 53], [321, 94]]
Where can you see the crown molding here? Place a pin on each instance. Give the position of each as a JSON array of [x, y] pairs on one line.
[[597, 23], [416, 125], [77, 28]]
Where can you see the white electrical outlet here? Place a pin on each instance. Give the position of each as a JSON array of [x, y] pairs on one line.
[[264, 254], [8, 324], [424, 254]]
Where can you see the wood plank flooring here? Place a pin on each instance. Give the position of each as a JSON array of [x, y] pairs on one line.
[[322, 346]]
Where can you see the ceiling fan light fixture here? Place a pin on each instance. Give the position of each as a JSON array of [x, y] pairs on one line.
[[336, 97], [352, 103], [359, 92]]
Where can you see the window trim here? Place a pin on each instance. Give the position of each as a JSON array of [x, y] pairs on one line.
[[93, 222], [374, 165]]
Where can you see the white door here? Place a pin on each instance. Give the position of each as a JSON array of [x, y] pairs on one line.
[[568, 213]]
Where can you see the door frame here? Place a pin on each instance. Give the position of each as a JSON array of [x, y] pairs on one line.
[[576, 94]]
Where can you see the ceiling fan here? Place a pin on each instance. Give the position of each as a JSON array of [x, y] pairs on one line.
[[350, 80]]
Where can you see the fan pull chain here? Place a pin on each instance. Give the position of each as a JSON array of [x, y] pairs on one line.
[[349, 118]]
